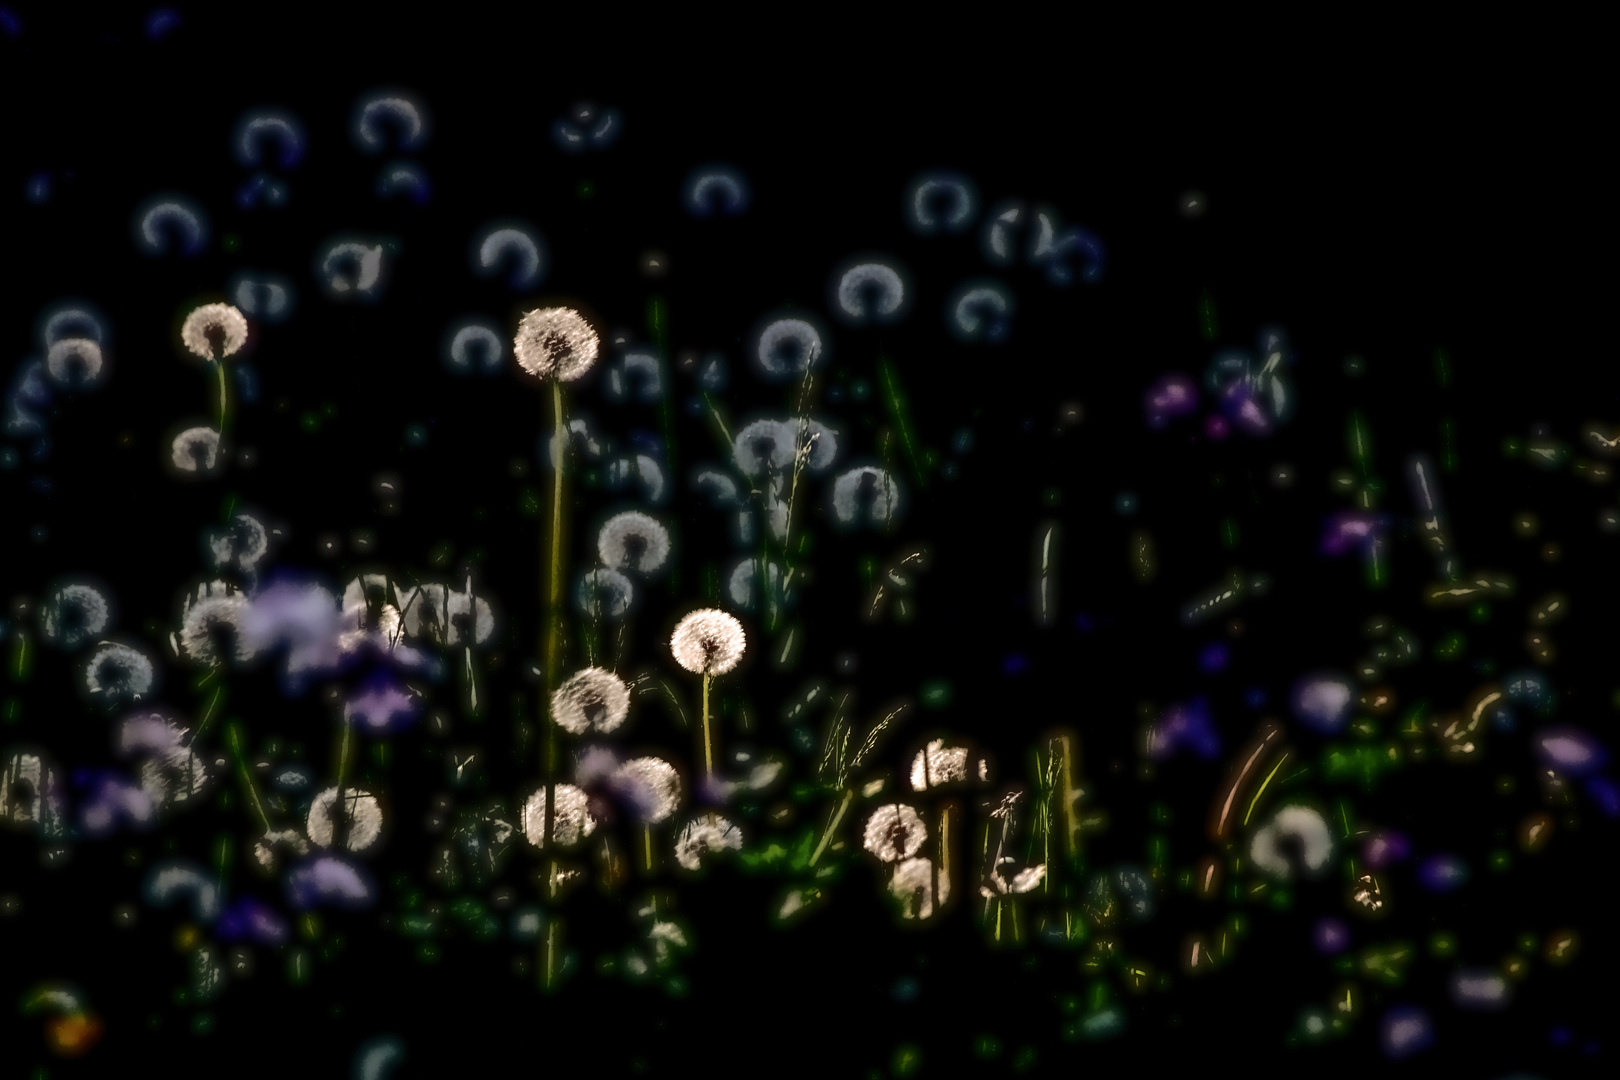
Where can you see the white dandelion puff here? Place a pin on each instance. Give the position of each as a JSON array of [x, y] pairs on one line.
[[555, 343], [744, 580], [865, 495], [196, 450], [1003, 882], [571, 816], [938, 765], [633, 541], [592, 700], [651, 787], [708, 642], [913, 886], [28, 790], [1296, 839], [705, 835], [73, 614], [213, 630], [894, 832], [817, 445], [214, 331], [362, 811], [788, 348], [239, 545], [75, 363], [117, 672], [439, 615], [150, 732], [763, 448], [268, 846], [603, 594], [174, 776]]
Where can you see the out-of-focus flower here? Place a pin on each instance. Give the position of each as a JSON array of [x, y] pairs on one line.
[[708, 642], [239, 545], [1296, 840], [1002, 881], [117, 672], [381, 705], [70, 615], [913, 886], [214, 331], [112, 800], [865, 495], [555, 343], [196, 450], [1347, 529], [706, 835], [174, 776], [248, 919], [151, 732], [183, 879], [271, 844], [1184, 725], [604, 594], [938, 765], [571, 819], [894, 832], [363, 814], [594, 700], [328, 881], [650, 786], [29, 795], [633, 541]]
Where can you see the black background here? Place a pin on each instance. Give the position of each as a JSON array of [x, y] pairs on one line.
[[1417, 194]]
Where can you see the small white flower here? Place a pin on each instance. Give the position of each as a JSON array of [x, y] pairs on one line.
[[555, 343], [593, 700], [633, 541], [894, 832], [214, 331], [705, 835], [365, 819], [708, 642]]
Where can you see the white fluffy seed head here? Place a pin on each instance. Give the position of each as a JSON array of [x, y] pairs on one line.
[[213, 323], [650, 785], [1295, 830], [213, 630], [72, 614], [365, 819], [174, 776], [708, 642], [592, 700], [913, 886], [75, 363], [894, 832], [937, 765], [555, 343], [116, 672], [633, 541], [705, 835], [196, 450], [571, 819]]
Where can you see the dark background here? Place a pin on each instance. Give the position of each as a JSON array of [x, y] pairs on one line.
[[1417, 195]]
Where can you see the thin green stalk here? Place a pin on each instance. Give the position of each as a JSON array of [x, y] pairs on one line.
[[826, 836], [548, 957], [708, 741], [233, 738], [224, 411]]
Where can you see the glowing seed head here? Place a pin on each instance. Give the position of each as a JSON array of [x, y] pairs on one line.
[[1323, 701], [592, 700], [571, 817], [196, 450], [650, 785], [894, 832], [705, 835], [117, 673], [75, 363], [174, 776], [865, 495], [364, 816], [633, 541], [764, 447], [938, 765], [1004, 882], [26, 786], [212, 630], [1296, 839], [71, 615], [214, 331], [555, 343], [708, 642], [788, 348], [913, 886], [603, 594]]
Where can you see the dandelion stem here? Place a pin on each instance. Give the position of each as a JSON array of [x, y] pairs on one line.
[[646, 839], [233, 737], [340, 821], [224, 412], [708, 739], [849, 795]]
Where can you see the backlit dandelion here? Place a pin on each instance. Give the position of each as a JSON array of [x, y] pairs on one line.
[[708, 642], [1004, 880], [764, 448], [937, 765], [633, 541], [571, 816], [75, 363], [174, 776], [1296, 840], [555, 343], [650, 786], [361, 812], [913, 886], [196, 450], [214, 331], [28, 794], [71, 615], [865, 495], [212, 630], [116, 673], [592, 700], [705, 835], [604, 594], [240, 545], [894, 832]]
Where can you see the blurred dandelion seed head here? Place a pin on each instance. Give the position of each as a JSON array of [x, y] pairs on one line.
[[705, 835], [913, 886], [75, 363], [708, 642], [938, 765], [999, 883], [212, 629], [555, 343], [360, 808], [592, 700], [1297, 839], [604, 594], [73, 614], [894, 832], [571, 816], [117, 672], [174, 776], [650, 786], [214, 331], [633, 541], [196, 450]]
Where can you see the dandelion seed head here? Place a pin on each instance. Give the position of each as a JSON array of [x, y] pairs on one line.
[[592, 700], [174, 776], [214, 331], [894, 832], [212, 630], [633, 541], [196, 450], [708, 642], [1003, 881], [555, 343], [116, 672], [71, 615], [327, 880], [150, 731], [1295, 835], [745, 577], [266, 848], [913, 886], [364, 814], [764, 447], [113, 799], [651, 787], [571, 816], [705, 835], [938, 765], [788, 348], [604, 594], [26, 785], [865, 495], [75, 363], [240, 545]]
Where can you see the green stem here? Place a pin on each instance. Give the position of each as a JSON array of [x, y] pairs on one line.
[[559, 446], [708, 741], [826, 837], [224, 411], [233, 737]]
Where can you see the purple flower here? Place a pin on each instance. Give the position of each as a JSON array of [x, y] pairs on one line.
[[1569, 750], [1171, 396], [1349, 529], [305, 618], [381, 705], [328, 881], [1184, 725], [249, 919], [1385, 848], [114, 800]]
